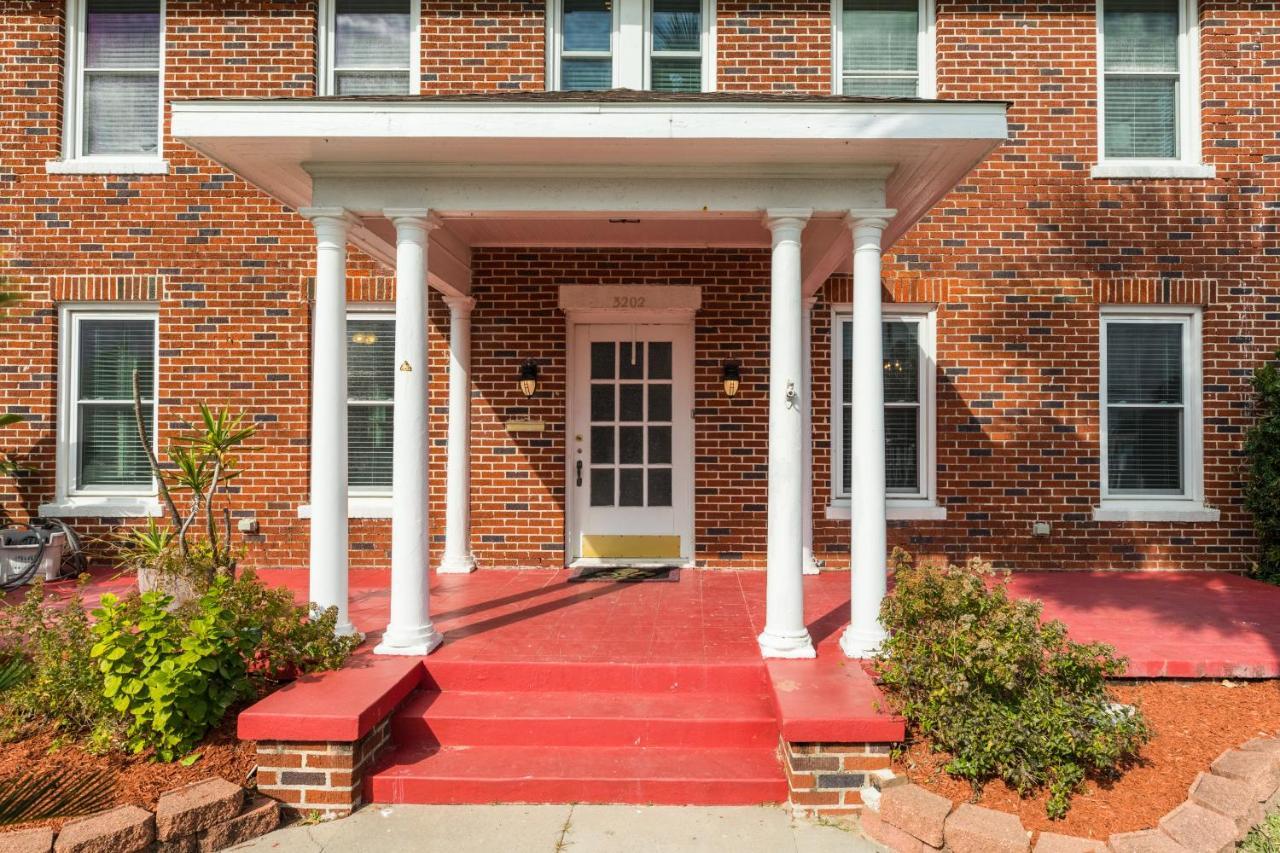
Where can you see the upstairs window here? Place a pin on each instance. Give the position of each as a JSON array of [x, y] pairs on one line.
[[369, 47], [659, 45], [371, 375], [884, 48]]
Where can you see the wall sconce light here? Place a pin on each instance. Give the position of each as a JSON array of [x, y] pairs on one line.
[[731, 376], [529, 378]]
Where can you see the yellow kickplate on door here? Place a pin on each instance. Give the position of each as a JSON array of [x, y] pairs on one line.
[[630, 547]]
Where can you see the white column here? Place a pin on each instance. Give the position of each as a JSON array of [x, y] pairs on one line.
[[868, 554], [410, 631], [329, 542], [808, 561], [457, 527], [785, 634]]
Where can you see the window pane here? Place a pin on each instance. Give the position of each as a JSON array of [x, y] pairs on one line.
[[121, 113], [1144, 362], [631, 487], [846, 445], [371, 82], [659, 402], [1140, 35], [631, 445], [122, 34], [602, 487], [902, 450], [881, 35], [109, 352], [885, 87], [660, 445], [901, 362], [677, 25], [660, 360], [1144, 451], [676, 74], [371, 359], [369, 439], [602, 445], [1141, 117], [588, 25], [110, 452], [631, 402], [586, 74], [602, 358], [846, 359], [602, 402], [660, 487], [372, 34], [631, 360]]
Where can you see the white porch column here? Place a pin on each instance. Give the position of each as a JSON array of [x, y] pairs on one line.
[[329, 542], [868, 554], [410, 631], [785, 634], [808, 561], [457, 530]]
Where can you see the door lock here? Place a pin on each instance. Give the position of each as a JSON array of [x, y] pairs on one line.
[[579, 472]]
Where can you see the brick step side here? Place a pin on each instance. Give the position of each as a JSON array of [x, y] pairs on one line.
[[608, 719], [625, 775]]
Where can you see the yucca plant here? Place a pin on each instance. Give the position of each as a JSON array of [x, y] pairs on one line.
[[13, 672], [68, 792]]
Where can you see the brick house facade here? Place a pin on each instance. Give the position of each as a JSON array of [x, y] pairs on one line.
[[1017, 261]]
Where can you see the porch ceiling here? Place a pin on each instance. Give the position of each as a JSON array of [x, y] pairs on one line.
[[687, 171]]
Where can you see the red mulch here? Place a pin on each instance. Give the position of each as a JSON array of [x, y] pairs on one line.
[[139, 781], [1193, 723]]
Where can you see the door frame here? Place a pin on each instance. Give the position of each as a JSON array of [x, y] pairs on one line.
[[627, 305]]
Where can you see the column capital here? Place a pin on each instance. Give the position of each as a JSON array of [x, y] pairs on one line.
[[866, 222], [330, 223], [460, 306], [786, 217], [420, 217], [810, 301]]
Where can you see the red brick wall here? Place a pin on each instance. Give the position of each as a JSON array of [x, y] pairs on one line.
[[1027, 247]]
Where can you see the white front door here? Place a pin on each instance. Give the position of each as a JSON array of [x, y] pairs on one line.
[[631, 443]]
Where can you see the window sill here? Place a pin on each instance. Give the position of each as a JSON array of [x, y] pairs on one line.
[[117, 506], [362, 507], [894, 511], [1152, 170], [1179, 511], [108, 166]]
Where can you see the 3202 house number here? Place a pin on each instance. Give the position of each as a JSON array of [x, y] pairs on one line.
[[628, 302]]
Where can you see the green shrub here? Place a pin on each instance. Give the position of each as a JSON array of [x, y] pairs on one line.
[[1264, 838], [175, 675], [1262, 490], [1009, 697]]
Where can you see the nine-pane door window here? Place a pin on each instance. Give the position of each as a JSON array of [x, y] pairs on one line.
[[373, 43], [879, 46], [371, 346], [119, 87], [1142, 78]]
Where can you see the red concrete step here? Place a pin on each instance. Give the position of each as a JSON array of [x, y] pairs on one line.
[[593, 676], [531, 774], [602, 719]]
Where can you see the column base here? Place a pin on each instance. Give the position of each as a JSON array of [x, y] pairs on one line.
[[793, 647], [809, 564], [344, 629], [861, 643], [419, 643], [457, 565]]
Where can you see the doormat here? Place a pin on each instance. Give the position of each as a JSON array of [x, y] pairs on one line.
[[625, 574]]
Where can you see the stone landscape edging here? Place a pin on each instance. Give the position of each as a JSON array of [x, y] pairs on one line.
[[201, 817], [1223, 804]]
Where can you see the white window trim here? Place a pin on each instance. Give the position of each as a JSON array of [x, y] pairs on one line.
[[73, 161], [1189, 506], [928, 53], [630, 44], [325, 53], [922, 506], [70, 501], [1190, 160]]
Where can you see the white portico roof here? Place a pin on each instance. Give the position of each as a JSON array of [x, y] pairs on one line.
[[492, 166]]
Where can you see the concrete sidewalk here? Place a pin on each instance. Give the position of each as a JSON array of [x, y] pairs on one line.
[[566, 829]]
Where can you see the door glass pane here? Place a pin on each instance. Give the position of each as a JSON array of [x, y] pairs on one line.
[[660, 445], [602, 402], [631, 360], [660, 487], [631, 402], [901, 362], [602, 445], [631, 445], [631, 487], [660, 360], [1144, 451], [602, 358], [659, 402], [1144, 362], [602, 487], [902, 450]]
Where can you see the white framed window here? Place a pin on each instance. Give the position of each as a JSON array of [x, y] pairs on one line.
[[370, 47], [371, 375], [910, 411], [1149, 90], [884, 48], [658, 45], [1151, 420], [113, 88], [102, 468]]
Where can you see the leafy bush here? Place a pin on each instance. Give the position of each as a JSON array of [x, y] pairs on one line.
[[174, 675], [1262, 491], [1007, 696]]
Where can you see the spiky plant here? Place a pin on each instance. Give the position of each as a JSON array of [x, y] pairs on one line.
[[68, 792]]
